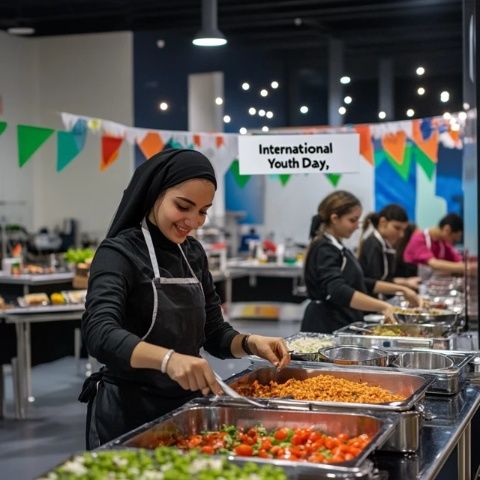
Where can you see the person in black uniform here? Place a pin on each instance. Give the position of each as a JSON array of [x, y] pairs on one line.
[[336, 286], [151, 302], [382, 234]]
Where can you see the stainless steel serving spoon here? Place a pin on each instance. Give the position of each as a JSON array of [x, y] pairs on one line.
[[229, 391]]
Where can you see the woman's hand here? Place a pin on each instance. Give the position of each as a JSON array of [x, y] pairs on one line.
[[388, 313], [412, 297], [192, 373], [273, 349]]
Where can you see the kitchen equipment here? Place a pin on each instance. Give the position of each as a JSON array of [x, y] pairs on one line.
[[423, 360], [208, 415], [433, 316], [353, 355]]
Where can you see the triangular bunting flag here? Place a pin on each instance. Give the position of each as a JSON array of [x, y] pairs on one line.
[[197, 140], [333, 178], [366, 146], [219, 141], [394, 144], [151, 144], [29, 140], [79, 132], [3, 127], [110, 150], [284, 179], [240, 180], [67, 149]]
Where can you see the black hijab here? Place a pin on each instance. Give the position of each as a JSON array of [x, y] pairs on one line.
[[164, 170]]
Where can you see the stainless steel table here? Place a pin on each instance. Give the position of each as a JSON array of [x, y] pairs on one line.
[[28, 280], [22, 318]]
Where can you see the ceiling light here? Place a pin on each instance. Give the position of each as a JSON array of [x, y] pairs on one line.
[[246, 86], [348, 100], [466, 106], [420, 71], [421, 91], [262, 113], [304, 109], [227, 118], [252, 111], [209, 35], [160, 43], [269, 114], [444, 96], [21, 30], [265, 128], [447, 115], [382, 115], [243, 131], [297, 21], [263, 92], [342, 110], [462, 116], [219, 100], [274, 84], [410, 112], [163, 106], [345, 80]]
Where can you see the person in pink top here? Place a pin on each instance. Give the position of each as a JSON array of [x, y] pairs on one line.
[[435, 246]]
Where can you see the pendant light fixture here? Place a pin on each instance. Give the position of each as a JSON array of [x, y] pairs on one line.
[[209, 35]]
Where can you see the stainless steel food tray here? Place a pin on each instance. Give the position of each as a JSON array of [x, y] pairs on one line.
[[207, 414], [439, 337], [304, 355], [445, 317]]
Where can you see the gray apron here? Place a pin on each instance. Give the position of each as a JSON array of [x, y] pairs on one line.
[[178, 322]]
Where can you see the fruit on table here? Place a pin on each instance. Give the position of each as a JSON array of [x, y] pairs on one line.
[[57, 298]]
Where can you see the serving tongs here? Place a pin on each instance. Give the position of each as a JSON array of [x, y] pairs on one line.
[[229, 391]]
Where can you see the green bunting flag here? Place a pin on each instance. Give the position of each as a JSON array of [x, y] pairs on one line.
[[333, 178], [3, 127], [29, 140], [240, 180], [67, 149]]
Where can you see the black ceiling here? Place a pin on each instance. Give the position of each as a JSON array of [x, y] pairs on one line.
[[403, 29]]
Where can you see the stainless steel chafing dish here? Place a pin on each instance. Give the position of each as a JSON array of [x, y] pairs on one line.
[[406, 336], [412, 386], [206, 414]]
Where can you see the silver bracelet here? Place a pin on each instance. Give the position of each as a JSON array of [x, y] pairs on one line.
[[165, 359]]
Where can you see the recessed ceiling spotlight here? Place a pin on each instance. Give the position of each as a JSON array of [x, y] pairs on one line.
[[274, 84], [447, 115], [163, 106], [466, 106], [21, 30], [382, 115], [444, 96], [227, 118], [410, 112], [263, 92], [421, 91], [345, 80], [262, 113], [252, 110], [462, 116], [342, 110], [265, 128], [348, 100], [303, 109], [219, 100], [243, 131], [297, 21], [269, 114], [420, 71], [245, 86], [160, 43]]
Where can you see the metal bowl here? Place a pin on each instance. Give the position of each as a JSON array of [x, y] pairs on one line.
[[423, 361], [432, 316], [352, 355]]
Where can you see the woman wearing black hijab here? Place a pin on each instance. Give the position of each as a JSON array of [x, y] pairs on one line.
[[151, 302]]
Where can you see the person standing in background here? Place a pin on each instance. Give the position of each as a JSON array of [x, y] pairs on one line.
[[434, 247], [339, 292], [382, 233]]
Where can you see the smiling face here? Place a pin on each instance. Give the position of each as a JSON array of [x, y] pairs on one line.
[[343, 226], [392, 230], [182, 208]]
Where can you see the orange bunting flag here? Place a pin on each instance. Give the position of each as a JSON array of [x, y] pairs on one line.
[[110, 151], [197, 140], [366, 145], [429, 146], [394, 144], [219, 141], [151, 144]]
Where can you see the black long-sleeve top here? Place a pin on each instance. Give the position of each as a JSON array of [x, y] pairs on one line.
[[119, 300], [377, 264], [327, 282]]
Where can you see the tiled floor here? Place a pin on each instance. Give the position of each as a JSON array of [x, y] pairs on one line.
[[55, 425]]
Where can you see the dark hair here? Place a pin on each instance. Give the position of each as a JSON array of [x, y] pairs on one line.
[[402, 268], [337, 203], [454, 221]]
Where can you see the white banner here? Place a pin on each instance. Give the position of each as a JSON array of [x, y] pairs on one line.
[[286, 154]]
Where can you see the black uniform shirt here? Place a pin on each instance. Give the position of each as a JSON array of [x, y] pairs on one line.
[[119, 301], [326, 281], [372, 259]]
